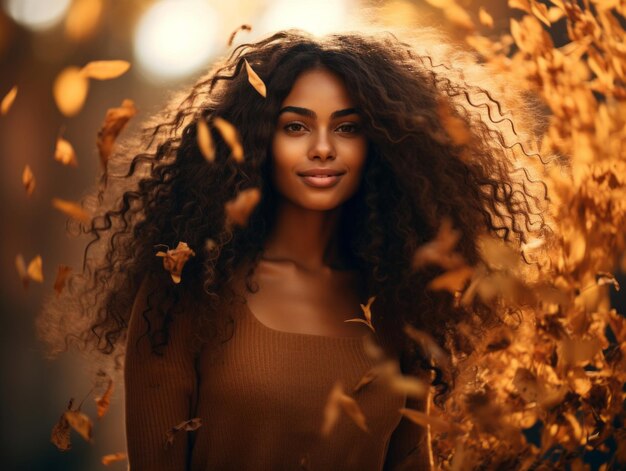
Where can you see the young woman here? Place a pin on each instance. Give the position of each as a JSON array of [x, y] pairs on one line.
[[353, 155]]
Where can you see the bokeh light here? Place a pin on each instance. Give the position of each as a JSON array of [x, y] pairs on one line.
[[36, 14], [318, 17], [175, 38]]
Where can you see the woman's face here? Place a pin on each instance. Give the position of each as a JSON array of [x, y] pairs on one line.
[[318, 127]]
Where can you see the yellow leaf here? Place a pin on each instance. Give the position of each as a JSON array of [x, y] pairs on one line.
[[555, 14], [452, 281], [174, 260], [485, 18], [114, 122], [439, 250], [231, 137], [105, 70], [28, 180], [454, 126], [205, 141], [429, 345], [112, 458], [60, 436], [62, 274], [338, 400], [65, 153], [459, 17], [409, 385], [436, 424], [238, 210], [80, 422], [8, 100], [255, 80], [540, 11], [371, 375], [104, 401], [70, 90], [82, 19], [32, 272], [520, 5], [71, 209]]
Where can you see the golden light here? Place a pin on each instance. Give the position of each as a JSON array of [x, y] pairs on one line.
[[36, 14]]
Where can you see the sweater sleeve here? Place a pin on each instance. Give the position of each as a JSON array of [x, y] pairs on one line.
[[159, 391], [409, 446]]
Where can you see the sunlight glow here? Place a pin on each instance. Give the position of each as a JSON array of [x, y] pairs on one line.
[[36, 14], [315, 16]]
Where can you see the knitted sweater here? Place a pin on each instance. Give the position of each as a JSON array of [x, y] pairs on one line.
[[261, 397]]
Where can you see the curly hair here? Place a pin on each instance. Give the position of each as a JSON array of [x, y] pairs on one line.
[[416, 174]]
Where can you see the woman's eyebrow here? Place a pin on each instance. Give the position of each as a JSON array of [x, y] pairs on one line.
[[311, 114]]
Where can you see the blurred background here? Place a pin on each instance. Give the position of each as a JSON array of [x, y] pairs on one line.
[[169, 43]]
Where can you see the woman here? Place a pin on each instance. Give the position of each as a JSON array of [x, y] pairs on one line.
[[359, 147]]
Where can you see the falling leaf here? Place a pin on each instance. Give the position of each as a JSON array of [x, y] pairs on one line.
[[454, 126], [231, 137], [234, 33], [187, 426], [439, 250], [485, 18], [62, 274], [104, 401], [82, 19], [114, 122], [238, 210], [523, 5], [540, 11], [8, 100], [459, 17], [28, 180], [34, 271], [337, 401], [409, 385], [452, 281], [112, 458], [255, 80], [205, 141], [174, 259], [105, 70], [367, 313], [429, 345], [65, 153], [605, 278], [80, 423], [72, 210], [436, 424], [70, 90], [60, 436], [371, 375]]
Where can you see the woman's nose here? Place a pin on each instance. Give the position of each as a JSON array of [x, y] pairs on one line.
[[322, 147]]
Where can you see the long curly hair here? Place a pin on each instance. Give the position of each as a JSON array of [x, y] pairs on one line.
[[159, 189]]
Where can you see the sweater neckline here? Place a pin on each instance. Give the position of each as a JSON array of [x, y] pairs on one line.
[[284, 333]]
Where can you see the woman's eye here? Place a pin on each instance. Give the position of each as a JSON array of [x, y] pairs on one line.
[[348, 127], [294, 127]]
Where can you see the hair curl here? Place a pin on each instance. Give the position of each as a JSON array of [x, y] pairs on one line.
[[415, 175]]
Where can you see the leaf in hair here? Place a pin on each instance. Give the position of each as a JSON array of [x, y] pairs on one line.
[[28, 180], [114, 122], [187, 426], [205, 141], [105, 70], [8, 100], [174, 260], [114, 457], [454, 126], [73, 210], [32, 272], [70, 90], [238, 210], [255, 80], [64, 153], [338, 400], [62, 274], [231, 137]]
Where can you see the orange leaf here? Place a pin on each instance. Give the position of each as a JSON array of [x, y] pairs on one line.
[[103, 402], [187, 426], [62, 274], [439, 250], [459, 17], [70, 90], [174, 260], [485, 18], [231, 137], [436, 424], [368, 314], [81, 423], [523, 5], [540, 11], [114, 122], [32, 272], [205, 141], [65, 153], [452, 281], [238, 210], [338, 400], [60, 436], [82, 19], [71, 209], [105, 70], [119, 456], [8, 100], [28, 180], [255, 80]]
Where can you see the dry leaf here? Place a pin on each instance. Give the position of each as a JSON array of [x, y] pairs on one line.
[[81, 423], [371, 375], [70, 90], [205, 141], [119, 456], [231, 137], [82, 19], [255, 80], [72, 210], [65, 153], [338, 400], [485, 18], [454, 126], [238, 210], [104, 401], [439, 250], [367, 313], [436, 424], [8, 100], [60, 436], [606, 278], [28, 180], [459, 17], [540, 11], [105, 70], [409, 385], [34, 271], [62, 274], [429, 345], [452, 281], [523, 5], [114, 122], [174, 259], [234, 33], [187, 426]]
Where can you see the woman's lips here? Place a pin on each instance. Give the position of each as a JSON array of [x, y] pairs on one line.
[[321, 182]]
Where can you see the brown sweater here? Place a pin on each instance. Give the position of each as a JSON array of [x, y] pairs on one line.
[[261, 398]]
